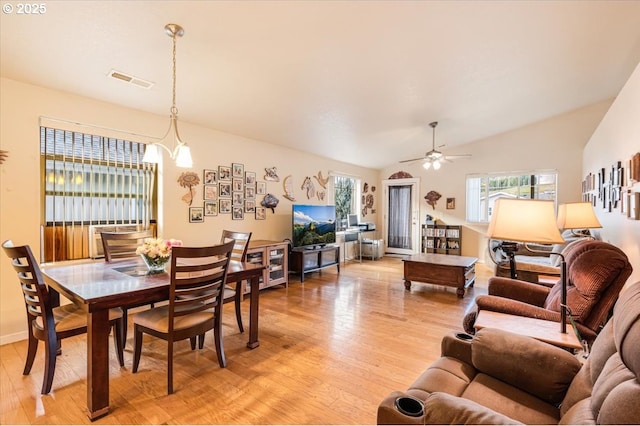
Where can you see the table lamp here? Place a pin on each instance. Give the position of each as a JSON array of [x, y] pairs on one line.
[[577, 216], [528, 221]]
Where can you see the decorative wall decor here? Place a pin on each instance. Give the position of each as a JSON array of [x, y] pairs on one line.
[[209, 177], [261, 213], [271, 174], [432, 198], [211, 208], [224, 206], [322, 181], [249, 206], [261, 188], [224, 190], [210, 192], [451, 203], [308, 185], [196, 214], [287, 186], [270, 201], [400, 175], [237, 213], [3, 155], [189, 180], [224, 173], [237, 170]]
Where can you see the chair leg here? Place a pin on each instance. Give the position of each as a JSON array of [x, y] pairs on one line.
[[118, 341], [49, 365], [137, 348], [192, 340], [238, 299], [125, 325], [31, 353], [217, 336], [201, 341], [169, 367]]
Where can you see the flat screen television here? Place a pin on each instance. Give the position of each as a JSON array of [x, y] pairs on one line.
[[313, 225]]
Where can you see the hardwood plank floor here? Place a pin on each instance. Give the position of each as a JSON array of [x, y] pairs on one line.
[[331, 349]]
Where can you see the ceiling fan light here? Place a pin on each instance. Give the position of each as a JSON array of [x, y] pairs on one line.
[[436, 165], [427, 165]]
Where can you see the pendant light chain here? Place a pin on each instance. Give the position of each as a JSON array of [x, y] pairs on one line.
[[174, 109]]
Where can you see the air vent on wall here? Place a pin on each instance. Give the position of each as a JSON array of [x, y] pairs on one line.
[[130, 79]]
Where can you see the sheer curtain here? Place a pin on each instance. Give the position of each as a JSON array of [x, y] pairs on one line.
[[400, 217]]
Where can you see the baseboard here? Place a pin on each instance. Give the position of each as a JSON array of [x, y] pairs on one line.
[[11, 338]]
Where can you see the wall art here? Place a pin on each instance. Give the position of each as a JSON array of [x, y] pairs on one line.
[[196, 214]]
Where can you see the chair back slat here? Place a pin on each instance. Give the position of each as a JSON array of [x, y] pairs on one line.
[[35, 292], [119, 245], [241, 245], [198, 277]]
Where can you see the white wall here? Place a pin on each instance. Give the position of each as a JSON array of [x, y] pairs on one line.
[[22, 105], [555, 143], [617, 138]]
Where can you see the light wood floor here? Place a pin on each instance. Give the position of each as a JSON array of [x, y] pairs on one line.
[[331, 349]]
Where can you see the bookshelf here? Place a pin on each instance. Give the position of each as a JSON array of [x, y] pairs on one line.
[[442, 239]]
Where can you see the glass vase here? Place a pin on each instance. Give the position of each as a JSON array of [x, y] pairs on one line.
[[155, 265]]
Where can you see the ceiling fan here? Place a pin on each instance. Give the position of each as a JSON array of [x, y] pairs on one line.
[[435, 158]]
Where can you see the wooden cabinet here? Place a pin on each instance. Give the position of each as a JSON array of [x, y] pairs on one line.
[[442, 239], [304, 260], [274, 255]]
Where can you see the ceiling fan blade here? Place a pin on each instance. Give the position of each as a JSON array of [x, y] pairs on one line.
[[414, 159], [458, 156]]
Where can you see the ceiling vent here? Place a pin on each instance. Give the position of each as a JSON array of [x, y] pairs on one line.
[[130, 79]]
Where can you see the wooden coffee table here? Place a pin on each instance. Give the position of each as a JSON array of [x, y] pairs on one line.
[[546, 331], [440, 269]]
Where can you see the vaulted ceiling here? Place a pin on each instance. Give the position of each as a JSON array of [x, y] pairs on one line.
[[357, 81]]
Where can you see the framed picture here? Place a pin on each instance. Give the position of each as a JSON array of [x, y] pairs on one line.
[[196, 214], [250, 178], [225, 190], [261, 188], [237, 170], [211, 208], [261, 213], [210, 192], [249, 206], [236, 185], [451, 203], [250, 192], [238, 213], [224, 206], [238, 198], [209, 177], [224, 173]]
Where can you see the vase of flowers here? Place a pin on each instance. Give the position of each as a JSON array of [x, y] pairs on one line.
[[156, 252]]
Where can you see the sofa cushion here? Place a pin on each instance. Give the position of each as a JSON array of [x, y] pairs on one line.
[[446, 374], [540, 369], [444, 409], [510, 401]]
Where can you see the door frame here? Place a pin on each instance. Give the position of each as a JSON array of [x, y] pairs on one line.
[[415, 214]]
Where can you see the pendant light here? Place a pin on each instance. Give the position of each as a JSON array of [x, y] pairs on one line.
[[179, 152]]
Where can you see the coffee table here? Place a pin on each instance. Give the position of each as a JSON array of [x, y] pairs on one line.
[[546, 331], [440, 269]]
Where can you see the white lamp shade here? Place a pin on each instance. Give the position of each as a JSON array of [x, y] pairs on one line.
[[527, 221], [151, 154], [436, 165], [427, 165], [576, 216], [183, 157]]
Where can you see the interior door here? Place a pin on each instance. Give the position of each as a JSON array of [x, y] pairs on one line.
[[401, 210]]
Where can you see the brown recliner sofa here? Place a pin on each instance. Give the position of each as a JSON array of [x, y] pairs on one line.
[[503, 378], [596, 272]]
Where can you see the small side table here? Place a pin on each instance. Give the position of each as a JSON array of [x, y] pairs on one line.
[[546, 331]]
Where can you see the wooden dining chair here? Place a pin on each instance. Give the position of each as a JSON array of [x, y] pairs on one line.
[[235, 293], [122, 245], [198, 277], [50, 323]]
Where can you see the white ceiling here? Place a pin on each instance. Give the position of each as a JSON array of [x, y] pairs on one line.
[[357, 81]]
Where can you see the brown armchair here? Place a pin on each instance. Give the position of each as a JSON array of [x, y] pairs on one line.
[[596, 272], [499, 377]]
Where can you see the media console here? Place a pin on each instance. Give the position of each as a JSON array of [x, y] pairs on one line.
[[305, 260]]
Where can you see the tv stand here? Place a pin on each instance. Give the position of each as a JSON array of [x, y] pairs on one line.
[[311, 259]]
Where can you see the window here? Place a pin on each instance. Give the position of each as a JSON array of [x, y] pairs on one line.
[[91, 180], [345, 197], [483, 190]]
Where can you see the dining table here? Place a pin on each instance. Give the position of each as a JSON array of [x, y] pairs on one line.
[[100, 286]]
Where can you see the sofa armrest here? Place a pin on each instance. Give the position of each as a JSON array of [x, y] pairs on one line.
[[457, 347], [524, 291], [514, 307], [444, 409], [388, 413], [535, 367]]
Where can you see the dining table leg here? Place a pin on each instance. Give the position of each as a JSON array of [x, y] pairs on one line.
[[98, 363], [253, 312]]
